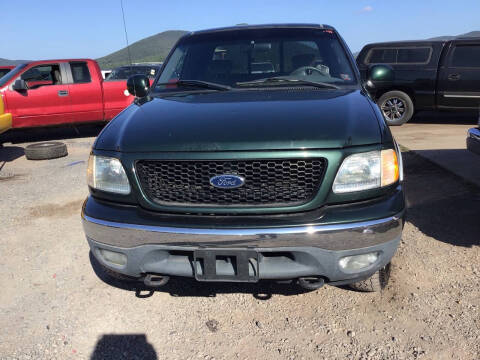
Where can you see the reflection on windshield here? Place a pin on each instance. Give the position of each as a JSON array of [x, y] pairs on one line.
[[310, 55], [11, 74]]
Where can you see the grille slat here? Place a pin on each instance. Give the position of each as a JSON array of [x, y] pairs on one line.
[[267, 182]]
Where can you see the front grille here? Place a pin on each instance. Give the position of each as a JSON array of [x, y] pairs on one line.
[[267, 182]]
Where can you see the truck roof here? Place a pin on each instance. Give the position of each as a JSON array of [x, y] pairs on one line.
[[406, 43], [262, 26], [421, 42], [56, 60]]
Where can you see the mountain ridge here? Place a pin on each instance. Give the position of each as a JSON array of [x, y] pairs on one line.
[[449, 37], [11, 62], [155, 48]]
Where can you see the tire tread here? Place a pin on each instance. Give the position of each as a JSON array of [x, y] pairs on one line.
[[46, 151]]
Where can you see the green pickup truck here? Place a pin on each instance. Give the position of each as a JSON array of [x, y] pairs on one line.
[[224, 171]]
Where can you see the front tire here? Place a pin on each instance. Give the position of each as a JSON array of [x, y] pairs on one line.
[[397, 107], [377, 282]]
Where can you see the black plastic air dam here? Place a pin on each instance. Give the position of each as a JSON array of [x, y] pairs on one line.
[[276, 263]]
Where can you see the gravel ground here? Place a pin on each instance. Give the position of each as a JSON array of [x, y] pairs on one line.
[[56, 303]]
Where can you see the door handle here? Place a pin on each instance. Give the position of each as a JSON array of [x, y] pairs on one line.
[[454, 77], [62, 92]]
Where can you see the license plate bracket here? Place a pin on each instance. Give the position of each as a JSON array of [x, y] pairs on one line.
[[226, 265]]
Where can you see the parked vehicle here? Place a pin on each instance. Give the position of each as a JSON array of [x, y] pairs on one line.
[[473, 139], [223, 174], [428, 75], [53, 92], [124, 72], [5, 118], [4, 70], [105, 73]]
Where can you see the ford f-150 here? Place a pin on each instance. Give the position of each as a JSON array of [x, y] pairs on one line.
[[224, 173]]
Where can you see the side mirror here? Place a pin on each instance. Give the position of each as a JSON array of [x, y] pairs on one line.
[[138, 85], [20, 85], [380, 72]]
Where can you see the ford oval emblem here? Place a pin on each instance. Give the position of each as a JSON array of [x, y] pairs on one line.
[[227, 181]]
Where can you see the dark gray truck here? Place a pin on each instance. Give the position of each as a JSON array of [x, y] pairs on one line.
[[427, 75]]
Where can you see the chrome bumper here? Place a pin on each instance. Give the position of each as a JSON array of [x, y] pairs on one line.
[[329, 237]]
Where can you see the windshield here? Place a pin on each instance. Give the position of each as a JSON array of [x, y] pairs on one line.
[[230, 58], [127, 71], [6, 78]]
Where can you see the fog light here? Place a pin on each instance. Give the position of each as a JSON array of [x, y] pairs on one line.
[[113, 257], [357, 262]]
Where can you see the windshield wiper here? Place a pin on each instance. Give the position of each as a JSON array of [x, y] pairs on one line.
[[199, 83], [280, 80]]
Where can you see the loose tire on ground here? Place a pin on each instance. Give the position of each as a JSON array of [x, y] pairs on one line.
[[375, 283], [46, 150], [390, 98]]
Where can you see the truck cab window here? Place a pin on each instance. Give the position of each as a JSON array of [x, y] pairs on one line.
[[382, 56], [466, 56], [42, 75], [413, 55], [80, 72], [403, 55]]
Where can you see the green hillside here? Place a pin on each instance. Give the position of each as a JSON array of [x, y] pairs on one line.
[[151, 49], [155, 48], [470, 34], [11, 62]]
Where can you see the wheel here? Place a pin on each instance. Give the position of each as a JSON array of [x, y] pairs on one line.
[[46, 150], [375, 283], [396, 106]]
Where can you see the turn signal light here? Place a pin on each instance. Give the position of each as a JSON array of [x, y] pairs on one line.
[[390, 170]]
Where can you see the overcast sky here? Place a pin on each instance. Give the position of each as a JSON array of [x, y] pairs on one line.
[[44, 29]]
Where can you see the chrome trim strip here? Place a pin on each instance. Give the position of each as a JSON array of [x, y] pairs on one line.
[[462, 96], [330, 236], [243, 232]]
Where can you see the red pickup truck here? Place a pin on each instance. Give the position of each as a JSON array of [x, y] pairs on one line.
[[51, 92], [5, 70]]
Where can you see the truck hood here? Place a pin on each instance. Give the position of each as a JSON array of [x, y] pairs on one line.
[[244, 120]]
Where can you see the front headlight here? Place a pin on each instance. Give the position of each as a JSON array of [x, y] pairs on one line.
[[366, 171], [107, 174]]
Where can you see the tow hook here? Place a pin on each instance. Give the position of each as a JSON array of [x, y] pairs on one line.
[[152, 280], [311, 282]]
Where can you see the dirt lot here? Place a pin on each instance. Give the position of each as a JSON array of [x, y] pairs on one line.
[[441, 138], [53, 305]]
